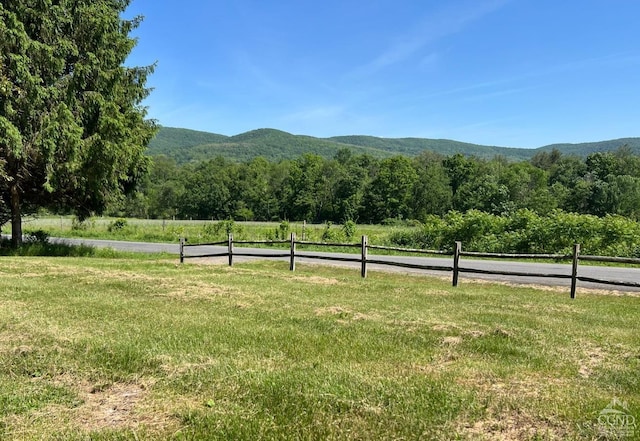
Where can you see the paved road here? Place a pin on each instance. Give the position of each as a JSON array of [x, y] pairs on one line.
[[603, 273]]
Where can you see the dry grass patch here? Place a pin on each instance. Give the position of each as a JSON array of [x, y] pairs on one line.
[[593, 357], [344, 314], [99, 408], [515, 425], [332, 310], [197, 291], [315, 280], [507, 418], [112, 406]]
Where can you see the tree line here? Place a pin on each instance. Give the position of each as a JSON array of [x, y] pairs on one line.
[[364, 189]]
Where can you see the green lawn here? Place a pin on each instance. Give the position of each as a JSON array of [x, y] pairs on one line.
[[132, 349]]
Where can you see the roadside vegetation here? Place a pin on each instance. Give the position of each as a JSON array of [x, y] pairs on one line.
[[156, 230], [523, 231], [38, 244], [148, 349]]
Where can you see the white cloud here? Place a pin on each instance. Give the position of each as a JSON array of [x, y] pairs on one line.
[[450, 20]]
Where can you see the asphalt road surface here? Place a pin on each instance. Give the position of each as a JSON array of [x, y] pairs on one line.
[[603, 273]]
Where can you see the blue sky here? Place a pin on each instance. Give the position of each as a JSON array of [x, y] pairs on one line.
[[515, 73]]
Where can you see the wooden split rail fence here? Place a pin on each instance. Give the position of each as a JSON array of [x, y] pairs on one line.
[[456, 269]]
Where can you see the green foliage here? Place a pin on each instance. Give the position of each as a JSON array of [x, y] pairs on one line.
[[390, 193], [283, 230], [78, 224], [524, 231], [117, 225], [331, 234], [72, 128], [221, 230], [349, 229], [37, 243], [368, 190], [39, 237]]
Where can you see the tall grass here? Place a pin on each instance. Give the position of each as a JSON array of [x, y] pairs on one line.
[[157, 230]]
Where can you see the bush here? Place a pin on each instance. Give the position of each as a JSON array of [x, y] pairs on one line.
[[283, 230], [40, 237], [329, 234], [524, 231], [349, 229], [81, 225], [117, 225], [222, 229]]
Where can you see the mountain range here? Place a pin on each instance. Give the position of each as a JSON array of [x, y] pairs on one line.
[[185, 145]]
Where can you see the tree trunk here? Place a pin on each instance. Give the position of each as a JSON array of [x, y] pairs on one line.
[[16, 217]]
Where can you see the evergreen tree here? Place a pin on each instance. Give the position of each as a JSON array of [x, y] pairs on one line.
[[72, 129]]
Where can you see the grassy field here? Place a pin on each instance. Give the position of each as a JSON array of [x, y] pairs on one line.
[[131, 349], [157, 230]]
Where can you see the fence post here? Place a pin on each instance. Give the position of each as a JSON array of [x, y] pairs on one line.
[[574, 269], [292, 260], [456, 262], [230, 249], [182, 241], [363, 268]]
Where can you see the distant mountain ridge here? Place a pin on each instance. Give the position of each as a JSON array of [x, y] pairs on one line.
[[185, 145]]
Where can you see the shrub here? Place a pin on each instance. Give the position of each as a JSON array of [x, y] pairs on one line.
[[117, 225], [329, 234], [222, 229], [283, 230], [349, 229], [40, 237], [524, 231], [81, 225]]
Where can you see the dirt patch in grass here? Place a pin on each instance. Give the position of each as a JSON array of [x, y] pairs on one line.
[[534, 385], [110, 407], [445, 327], [506, 418], [117, 406], [557, 308], [514, 425], [100, 407], [12, 305]]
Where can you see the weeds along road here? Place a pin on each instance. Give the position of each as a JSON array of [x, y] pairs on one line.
[[598, 272]]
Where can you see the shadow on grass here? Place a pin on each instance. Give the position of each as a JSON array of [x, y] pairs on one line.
[[38, 244]]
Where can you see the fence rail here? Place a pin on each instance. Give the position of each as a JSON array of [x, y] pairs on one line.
[[456, 269]]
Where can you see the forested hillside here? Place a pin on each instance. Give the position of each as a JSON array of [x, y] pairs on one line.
[[414, 146], [372, 190], [273, 145], [587, 148], [192, 146]]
